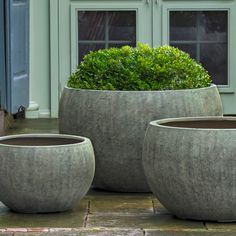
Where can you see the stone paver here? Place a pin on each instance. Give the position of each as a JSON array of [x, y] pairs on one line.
[[153, 232], [158, 207], [92, 232], [139, 221], [34, 126], [221, 226], [108, 203], [74, 218]]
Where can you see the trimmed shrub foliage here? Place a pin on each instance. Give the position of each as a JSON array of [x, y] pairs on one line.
[[140, 68]]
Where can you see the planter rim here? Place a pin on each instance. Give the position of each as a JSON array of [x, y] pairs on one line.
[[138, 91], [160, 123], [82, 140]]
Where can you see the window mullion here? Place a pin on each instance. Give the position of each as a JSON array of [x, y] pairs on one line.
[[106, 31], [198, 35]]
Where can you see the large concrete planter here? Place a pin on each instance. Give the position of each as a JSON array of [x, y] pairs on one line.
[[190, 165], [44, 172], [116, 121]]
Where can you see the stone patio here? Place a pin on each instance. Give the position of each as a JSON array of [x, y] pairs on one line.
[[103, 213]]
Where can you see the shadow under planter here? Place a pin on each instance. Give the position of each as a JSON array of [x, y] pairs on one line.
[[116, 122], [44, 172], [190, 165]]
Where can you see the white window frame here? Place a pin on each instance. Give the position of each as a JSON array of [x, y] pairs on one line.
[[230, 7], [138, 7]]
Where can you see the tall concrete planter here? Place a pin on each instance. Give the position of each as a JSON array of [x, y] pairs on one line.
[[44, 172], [116, 121], [190, 165]]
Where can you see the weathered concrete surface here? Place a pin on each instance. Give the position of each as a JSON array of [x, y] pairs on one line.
[[51, 178], [2, 122], [192, 171], [116, 122]]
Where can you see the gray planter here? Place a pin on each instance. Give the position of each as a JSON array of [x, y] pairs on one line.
[[190, 165], [116, 121], [44, 172]]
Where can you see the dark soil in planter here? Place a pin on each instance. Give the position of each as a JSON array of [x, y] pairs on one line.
[[204, 124], [40, 141]]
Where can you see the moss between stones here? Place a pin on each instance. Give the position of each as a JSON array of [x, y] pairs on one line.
[[140, 68]]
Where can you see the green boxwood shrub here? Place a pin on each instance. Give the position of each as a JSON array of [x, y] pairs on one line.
[[140, 68]]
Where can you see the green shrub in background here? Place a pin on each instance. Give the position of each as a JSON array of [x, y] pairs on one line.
[[140, 68]]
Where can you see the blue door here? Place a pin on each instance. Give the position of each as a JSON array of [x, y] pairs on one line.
[[2, 57], [17, 54]]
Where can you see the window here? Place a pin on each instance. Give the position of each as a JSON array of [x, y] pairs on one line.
[[104, 29], [204, 35]]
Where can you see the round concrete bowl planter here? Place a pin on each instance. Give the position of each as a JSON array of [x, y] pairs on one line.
[[44, 172], [116, 122], [190, 165]]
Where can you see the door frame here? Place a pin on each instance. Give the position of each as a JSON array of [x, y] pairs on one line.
[[54, 58]]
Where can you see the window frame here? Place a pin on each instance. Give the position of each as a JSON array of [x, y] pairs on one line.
[[104, 6], [169, 6]]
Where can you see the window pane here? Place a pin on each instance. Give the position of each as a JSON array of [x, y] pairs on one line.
[[85, 48], [103, 29], [91, 25], [214, 57], [204, 35], [122, 25], [191, 49], [119, 45], [183, 25], [213, 26]]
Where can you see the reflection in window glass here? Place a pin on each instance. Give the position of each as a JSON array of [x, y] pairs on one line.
[[219, 58], [103, 29], [191, 48], [91, 25], [183, 25], [85, 48], [213, 26], [122, 25], [204, 35]]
